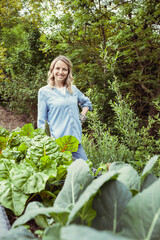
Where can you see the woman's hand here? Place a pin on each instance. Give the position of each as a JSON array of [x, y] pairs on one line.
[[82, 118], [82, 115]]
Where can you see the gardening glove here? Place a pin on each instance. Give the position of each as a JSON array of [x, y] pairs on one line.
[[82, 118]]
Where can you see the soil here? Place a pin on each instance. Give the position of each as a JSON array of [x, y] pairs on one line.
[[32, 226], [11, 120]]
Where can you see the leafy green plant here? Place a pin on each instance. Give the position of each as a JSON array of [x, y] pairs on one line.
[[120, 204], [128, 142], [131, 132], [101, 146], [31, 164]]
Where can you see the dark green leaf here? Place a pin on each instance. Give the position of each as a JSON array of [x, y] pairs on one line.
[[128, 175], [77, 179], [90, 191], [52, 233], [109, 204], [75, 232], [149, 179], [147, 169], [141, 218]]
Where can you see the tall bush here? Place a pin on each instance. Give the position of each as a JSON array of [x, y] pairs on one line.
[[129, 140]]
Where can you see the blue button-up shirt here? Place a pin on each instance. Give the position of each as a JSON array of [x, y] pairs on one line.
[[61, 111]]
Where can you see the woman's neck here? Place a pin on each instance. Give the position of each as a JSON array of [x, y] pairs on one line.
[[59, 85]]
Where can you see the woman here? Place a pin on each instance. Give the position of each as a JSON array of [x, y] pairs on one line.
[[58, 104]]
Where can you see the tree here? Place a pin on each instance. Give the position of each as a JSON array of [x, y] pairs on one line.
[[136, 40], [9, 12], [104, 40], [22, 67]]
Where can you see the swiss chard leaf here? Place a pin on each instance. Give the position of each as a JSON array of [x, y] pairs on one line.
[[68, 143], [11, 197], [45, 146], [27, 130], [13, 139], [3, 143], [28, 181], [23, 147], [4, 132], [30, 160], [5, 166]]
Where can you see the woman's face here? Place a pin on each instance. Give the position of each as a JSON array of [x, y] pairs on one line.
[[60, 73]]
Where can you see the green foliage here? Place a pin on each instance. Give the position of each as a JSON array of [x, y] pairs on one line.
[[100, 102], [121, 197], [102, 40], [128, 175], [132, 133], [109, 196], [135, 39], [105, 41], [22, 68], [101, 146], [129, 141], [149, 230], [31, 163], [2, 61], [9, 12], [68, 143], [20, 232]]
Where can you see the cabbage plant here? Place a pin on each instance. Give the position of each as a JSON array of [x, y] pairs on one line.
[[118, 205]]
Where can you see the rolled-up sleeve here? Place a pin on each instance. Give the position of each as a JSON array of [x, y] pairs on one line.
[[42, 110], [83, 100]]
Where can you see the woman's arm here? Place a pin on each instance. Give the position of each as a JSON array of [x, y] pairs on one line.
[[85, 110], [84, 102]]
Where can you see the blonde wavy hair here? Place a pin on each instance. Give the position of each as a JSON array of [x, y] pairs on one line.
[[69, 79]]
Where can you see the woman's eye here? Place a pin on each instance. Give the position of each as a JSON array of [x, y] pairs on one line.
[[64, 69]]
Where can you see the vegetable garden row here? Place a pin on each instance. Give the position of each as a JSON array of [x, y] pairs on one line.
[[39, 181]]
